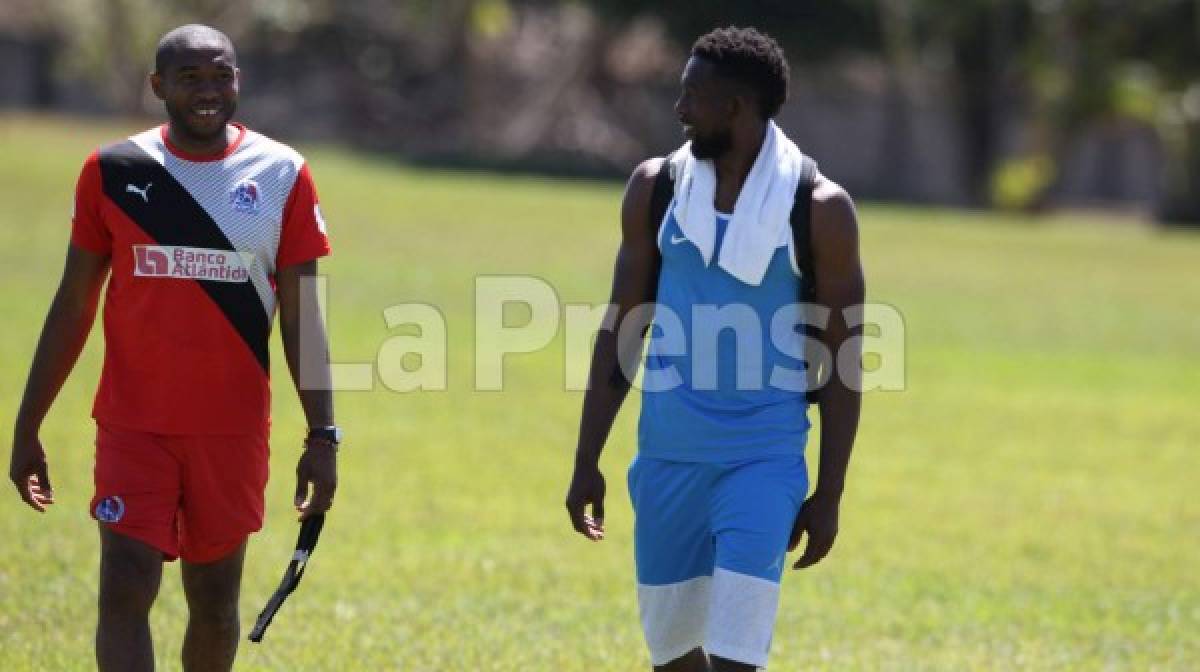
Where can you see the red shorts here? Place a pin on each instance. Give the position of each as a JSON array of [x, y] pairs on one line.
[[195, 497]]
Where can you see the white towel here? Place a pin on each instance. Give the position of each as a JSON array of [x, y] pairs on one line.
[[760, 221]]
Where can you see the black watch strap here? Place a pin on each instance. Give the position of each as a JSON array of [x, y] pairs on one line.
[[332, 434]]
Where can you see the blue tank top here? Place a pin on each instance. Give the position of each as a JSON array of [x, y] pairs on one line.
[[718, 385]]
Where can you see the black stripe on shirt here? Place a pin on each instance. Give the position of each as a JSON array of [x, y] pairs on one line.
[[171, 216]]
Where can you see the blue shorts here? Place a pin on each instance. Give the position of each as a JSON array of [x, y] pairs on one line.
[[710, 542]]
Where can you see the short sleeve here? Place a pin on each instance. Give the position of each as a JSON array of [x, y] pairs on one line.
[[88, 229], [303, 233]]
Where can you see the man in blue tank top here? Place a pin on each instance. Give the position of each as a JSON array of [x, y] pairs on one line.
[[720, 486]]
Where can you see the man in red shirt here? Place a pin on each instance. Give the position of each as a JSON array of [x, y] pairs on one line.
[[201, 228]]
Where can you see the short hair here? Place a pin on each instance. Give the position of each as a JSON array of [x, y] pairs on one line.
[[749, 57], [186, 37]]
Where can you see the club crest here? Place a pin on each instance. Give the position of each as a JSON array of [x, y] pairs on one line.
[[110, 509], [245, 197]]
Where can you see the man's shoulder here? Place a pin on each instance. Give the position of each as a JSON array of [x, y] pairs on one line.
[[264, 144], [648, 170], [831, 202], [834, 219], [639, 196], [149, 136], [644, 177]]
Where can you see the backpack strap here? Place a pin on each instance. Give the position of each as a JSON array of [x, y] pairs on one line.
[[802, 229], [660, 198], [801, 220]]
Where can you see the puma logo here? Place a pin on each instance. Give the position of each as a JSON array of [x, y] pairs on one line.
[[675, 240], [143, 192]]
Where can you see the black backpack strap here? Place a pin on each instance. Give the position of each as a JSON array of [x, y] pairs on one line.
[[801, 220], [660, 198], [802, 230]]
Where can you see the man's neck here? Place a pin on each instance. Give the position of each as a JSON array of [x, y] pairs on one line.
[[734, 165], [205, 148]]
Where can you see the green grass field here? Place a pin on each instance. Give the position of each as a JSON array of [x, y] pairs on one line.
[[1024, 504]]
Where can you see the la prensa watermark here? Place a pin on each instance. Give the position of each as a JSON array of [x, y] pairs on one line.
[[780, 351]]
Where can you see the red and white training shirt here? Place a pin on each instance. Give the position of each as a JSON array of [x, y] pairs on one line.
[[195, 243]]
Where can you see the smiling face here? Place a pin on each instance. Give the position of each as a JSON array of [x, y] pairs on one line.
[[706, 108], [198, 84]]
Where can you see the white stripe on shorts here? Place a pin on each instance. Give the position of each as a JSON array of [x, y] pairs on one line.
[[741, 617], [674, 617]]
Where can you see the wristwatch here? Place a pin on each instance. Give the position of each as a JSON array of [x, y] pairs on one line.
[[332, 434]]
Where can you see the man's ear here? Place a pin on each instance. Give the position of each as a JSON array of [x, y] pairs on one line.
[[156, 85]]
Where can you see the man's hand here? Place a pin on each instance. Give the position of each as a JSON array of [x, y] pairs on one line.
[[818, 518], [318, 467], [587, 487], [30, 473]]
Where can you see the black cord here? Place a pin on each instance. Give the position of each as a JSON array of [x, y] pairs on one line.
[[310, 531]]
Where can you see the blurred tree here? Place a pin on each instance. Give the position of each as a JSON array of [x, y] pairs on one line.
[[896, 164], [1065, 65], [1060, 64], [392, 63], [410, 61], [108, 48], [112, 43], [974, 33], [1027, 75], [1095, 61], [1168, 40], [812, 31], [985, 41]]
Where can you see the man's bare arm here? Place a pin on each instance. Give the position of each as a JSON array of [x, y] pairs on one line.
[[840, 285], [306, 346], [68, 323], [617, 350], [300, 324]]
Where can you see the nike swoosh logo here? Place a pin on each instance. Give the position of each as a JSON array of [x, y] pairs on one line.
[[675, 240]]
